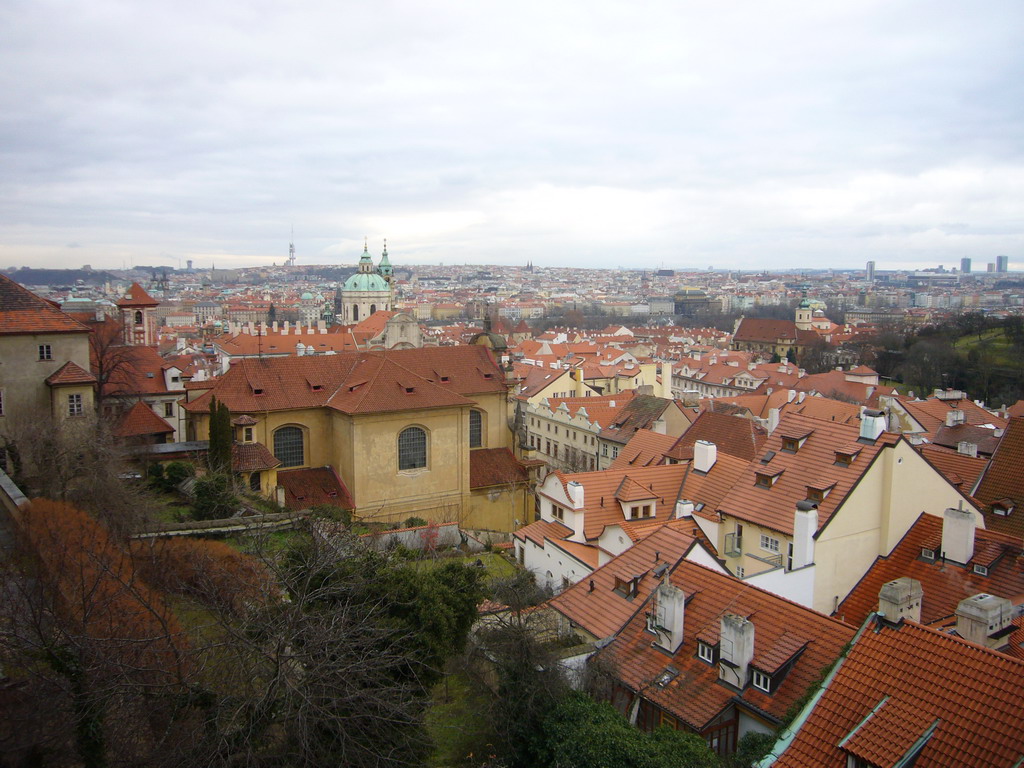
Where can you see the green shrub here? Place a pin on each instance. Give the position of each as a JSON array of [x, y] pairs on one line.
[[214, 497], [414, 522]]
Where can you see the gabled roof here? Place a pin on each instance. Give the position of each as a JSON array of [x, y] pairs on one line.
[[734, 435], [825, 408], [252, 457], [601, 610], [944, 583], [68, 374], [1004, 479], [961, 470], [644, 449], [931, 413], [641, 412], [781, 629], [765, 330], [305, 488], [539, 530], [21, 311], [834, 383], [902, 683], [139, 421], [134, 370], [136, 296], [814, 463], [984, 438]]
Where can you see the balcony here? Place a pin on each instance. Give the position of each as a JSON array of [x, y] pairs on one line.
[[733, 544]]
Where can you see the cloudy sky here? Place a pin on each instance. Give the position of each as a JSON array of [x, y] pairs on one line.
[[682, 134]]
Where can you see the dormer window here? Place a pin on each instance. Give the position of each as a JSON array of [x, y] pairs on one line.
[[928, 554], [707, 652], [790, 444], [557, 512], [766, 479], [762, 681], [1002, 508], [317, 387], [640, 511], [818, 493], [257, 391], [409, 390], [981, 570], [846, 456], [627, 588]]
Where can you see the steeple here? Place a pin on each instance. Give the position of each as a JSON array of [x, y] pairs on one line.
[[385, 264], [365, 262]]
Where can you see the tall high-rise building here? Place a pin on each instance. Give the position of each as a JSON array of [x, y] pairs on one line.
[[1002, 263], [965, 265], [869, 273]]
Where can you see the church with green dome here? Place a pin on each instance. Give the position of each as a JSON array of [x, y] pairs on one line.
[[369, 290]]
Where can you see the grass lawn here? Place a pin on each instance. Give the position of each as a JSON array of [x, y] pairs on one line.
[[456, 721], [496, 566]]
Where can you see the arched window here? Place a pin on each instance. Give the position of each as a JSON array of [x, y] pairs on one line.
[[288, 447], [412, 448], [138, 317], [355, 313], [476, 429], [373, 308]]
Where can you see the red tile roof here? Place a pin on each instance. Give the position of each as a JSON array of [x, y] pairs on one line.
[[21, 311], [136, 296], [931, 413], [139, 421], [602, 611], [1004, 479], [644, 449], [364, 382], [944, 583], [959, 469], [305, 488], [695, 695], [495, 466], [539, 530], [734, 435], [252, 457], [813, 464], [134, 371], [70, 373], [765, 330], [825, 408], [914, 679]]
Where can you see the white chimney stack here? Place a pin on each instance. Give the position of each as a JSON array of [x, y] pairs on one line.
[[736, 639], [901, 599], [967, 449], [958, 535], [954, 417], [575, 494], [773, 418], [666, 618], [985, 619], [684, 508], [805, 525], [872, 424], [705, 455]]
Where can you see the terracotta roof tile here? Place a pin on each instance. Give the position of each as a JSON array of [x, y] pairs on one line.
[[139, 420], [539, 530], [914, 678], [959, 469], [734, 435], [931, 413], [136, 296], [70, 373], [306, 488], [21, 311], [1004, 480], [644, 449], [252, 457], [494, 466], [602, 611], [696, 696], [944, 584]]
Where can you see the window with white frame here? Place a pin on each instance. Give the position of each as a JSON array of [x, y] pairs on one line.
[[412, 448], [45, 352], [75, 405], [769, 543], [762, 681], [168, 410], [706, 653], [476, 429], [557, 512]]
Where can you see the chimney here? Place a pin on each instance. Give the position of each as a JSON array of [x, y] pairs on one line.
[[958, 535], [684, 508], [666, 616], [954, 417], [872, 424], [800, 397], [736, 638], [790, 393], [901, 599], [805, 525], [773, 418], [575, 494], [705, 455], [985, 619], [967, 449]]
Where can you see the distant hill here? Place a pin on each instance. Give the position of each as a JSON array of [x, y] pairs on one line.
[[57, 277]]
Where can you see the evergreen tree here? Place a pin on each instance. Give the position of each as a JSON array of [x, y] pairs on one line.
[[218, 457]]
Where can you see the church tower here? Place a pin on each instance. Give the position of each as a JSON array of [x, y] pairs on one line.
[[138, 316], [367, 291], [804, 316]]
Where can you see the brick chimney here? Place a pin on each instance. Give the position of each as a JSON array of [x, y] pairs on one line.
[[736, 650], [958, 535], [901, 599], [985, 619], [705, 455]]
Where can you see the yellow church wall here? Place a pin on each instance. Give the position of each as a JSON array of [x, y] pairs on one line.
[[498, 508]]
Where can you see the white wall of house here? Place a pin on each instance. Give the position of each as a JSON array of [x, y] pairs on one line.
[[797, 585]]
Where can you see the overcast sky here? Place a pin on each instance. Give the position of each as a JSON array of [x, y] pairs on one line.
[[680, 134]]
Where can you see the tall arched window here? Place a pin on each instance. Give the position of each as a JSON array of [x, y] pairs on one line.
[[138, 317], [288, 447], [373, 308], [355, 313], [476, 429], [412, 448]]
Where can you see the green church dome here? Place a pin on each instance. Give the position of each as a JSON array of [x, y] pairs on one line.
[[366, 281]]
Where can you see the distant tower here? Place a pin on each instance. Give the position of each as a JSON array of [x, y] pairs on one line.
[[189, 262], [367, 291], [1002, 263], [965, 266], [385, 265], [138, 316], [805, 315], [869, 273], [291, 250]]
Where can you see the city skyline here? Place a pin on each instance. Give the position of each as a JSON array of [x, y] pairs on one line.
[[683, 137]]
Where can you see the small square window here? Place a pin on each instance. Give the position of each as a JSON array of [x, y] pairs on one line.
[[770, 543], [762, 681], [45, 352], [706, 653], [927, 554], [981, 570]]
